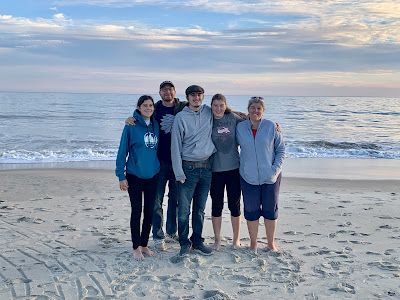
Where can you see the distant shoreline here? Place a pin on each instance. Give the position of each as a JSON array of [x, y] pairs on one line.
[[317, 168]]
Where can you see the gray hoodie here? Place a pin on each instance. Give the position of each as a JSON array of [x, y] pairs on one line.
[[260, 158], [191, 138]]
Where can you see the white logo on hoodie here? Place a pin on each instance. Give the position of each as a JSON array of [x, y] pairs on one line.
[[150, 140]]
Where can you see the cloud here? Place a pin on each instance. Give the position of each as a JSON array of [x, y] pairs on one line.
[[262, 42], [285, 59], [59, 16]]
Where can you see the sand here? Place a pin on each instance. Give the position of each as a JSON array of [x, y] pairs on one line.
[[65, 235]]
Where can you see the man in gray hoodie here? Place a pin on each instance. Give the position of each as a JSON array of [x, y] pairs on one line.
[[191, 148]]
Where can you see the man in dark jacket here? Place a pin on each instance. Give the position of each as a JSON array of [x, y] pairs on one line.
[[164, 113]]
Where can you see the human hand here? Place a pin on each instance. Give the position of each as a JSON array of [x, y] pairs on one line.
[[278, 127], [241, 114], [123, 185], [130, 121], [182, 181]]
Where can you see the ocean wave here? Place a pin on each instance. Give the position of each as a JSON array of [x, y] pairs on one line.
[[328, 149], [341, 145], [303, 149], [29, 156]]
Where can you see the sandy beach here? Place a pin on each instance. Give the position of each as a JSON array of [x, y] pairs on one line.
[[65, 235]]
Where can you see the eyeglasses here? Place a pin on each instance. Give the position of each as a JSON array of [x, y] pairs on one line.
[[167, 89], [257, 98]]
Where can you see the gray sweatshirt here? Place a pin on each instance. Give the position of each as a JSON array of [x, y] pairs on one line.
[[260, 158], [224, 138], [191, 138]]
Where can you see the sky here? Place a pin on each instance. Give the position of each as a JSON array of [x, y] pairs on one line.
[[282, 48]]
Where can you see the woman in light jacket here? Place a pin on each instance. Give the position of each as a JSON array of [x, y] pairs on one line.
[[261, 155], [139, 173]]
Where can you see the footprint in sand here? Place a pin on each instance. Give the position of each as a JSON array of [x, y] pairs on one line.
[[216, 295], [107, 242], [373, 253], [68, 227], [30, 220], [292, 232], [344, 287], [385, 227], [345, 201], [347, 224], [388, 265], [390, 252], [6, 207], [385, 217], [322, 251]]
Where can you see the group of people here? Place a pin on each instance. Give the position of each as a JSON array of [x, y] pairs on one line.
[[193, 148]]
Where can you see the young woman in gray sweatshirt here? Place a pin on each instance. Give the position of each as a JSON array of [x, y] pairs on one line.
[[225, 169]]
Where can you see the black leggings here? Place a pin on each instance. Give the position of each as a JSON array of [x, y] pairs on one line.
[[230, 179], [137, 186]]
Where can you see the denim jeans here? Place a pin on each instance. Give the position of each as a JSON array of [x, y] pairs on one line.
[[165, 175], [196, 187]]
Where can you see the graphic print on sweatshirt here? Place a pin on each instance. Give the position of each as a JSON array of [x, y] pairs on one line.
[[166, 123], [223, 130], [224, 135], [150, 140]]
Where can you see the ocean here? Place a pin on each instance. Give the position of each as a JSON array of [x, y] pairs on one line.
[[45, 128]]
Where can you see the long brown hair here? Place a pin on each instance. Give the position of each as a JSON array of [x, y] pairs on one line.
[[222, 98], [144, 98]]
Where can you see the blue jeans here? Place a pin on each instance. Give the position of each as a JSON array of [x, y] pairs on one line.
[[196, 187], [165, 175]]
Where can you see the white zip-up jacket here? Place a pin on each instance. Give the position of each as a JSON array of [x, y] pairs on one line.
[[260, 158]]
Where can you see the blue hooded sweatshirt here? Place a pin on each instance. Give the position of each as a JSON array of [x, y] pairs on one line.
[[141, 142]]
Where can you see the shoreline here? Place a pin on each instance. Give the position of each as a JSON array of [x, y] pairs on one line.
[[325, 168]]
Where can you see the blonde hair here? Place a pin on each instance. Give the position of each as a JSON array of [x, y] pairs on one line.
[[256, 99]]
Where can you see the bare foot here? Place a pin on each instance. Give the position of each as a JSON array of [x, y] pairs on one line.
[[253, 246], [137, 254], [236, 245], [216, 246], [273, 248], [147, 251], [253, 249]]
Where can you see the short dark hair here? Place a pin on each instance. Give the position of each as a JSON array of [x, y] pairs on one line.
[[222, 98]]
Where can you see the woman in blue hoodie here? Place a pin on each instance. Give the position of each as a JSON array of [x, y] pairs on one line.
[[138, 174], [261, 156]]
